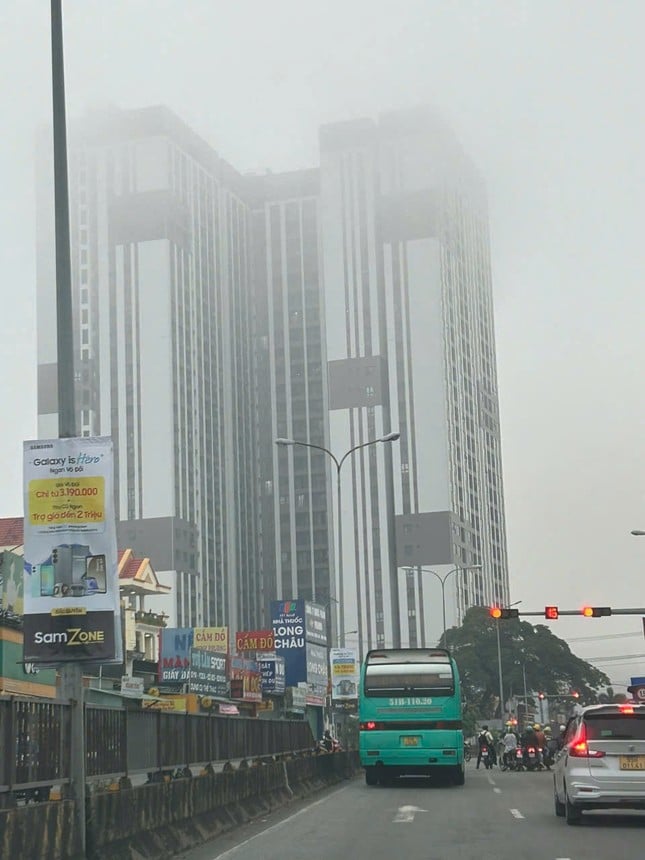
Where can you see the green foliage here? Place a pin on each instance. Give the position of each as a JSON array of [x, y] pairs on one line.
[[547, 661]]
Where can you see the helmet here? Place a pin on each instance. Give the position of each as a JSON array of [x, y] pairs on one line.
[[484, 728], [537, 727], [547, 730]]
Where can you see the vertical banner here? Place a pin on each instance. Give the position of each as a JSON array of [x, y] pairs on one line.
[[288, 621], [344, 674], [71, 593]]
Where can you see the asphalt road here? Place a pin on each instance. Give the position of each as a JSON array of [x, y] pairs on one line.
[[495, 816]]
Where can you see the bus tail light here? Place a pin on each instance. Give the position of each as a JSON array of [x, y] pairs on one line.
[[370, 726]]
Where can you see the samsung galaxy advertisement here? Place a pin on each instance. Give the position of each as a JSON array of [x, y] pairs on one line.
[[71, 599]]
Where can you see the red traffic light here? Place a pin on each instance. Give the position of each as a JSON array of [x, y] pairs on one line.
[[541, 695], [495, 612], [575, 694], [551, 612]]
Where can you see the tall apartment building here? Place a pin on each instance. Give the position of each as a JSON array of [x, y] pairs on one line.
[[207, 305], [291, 379], [410, 341], [164, 342]]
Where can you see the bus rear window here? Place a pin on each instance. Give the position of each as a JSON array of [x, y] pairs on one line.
[[409, 679]]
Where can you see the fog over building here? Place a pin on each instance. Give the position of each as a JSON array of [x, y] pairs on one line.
[[207, 305], [408, 286]]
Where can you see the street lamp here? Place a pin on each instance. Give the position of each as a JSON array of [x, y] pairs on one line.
[[442, 580], [389, 437]]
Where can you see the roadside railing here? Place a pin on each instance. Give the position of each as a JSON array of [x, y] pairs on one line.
[[35, 741]]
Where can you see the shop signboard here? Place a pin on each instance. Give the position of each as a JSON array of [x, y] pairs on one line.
[[207, 673], [288, 622]]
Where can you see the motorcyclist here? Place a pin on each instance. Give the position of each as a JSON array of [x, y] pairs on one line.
[[327, 741], [541, 737], [485, 739], [510, 745], [551, 746], [560, 738]]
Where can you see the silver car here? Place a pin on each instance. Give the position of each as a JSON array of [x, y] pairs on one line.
[[602, 761]]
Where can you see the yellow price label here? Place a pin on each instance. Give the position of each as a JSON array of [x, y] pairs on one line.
[[70, 501]]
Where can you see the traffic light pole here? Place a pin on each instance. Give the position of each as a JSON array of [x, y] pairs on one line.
[[578, 612]]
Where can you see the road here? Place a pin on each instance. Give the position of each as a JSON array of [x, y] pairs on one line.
[[495, 816]]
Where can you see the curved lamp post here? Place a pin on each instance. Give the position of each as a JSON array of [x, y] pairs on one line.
[[389, 437], [442, 580]]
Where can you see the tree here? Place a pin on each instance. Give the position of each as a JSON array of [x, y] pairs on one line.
[[529, 652]]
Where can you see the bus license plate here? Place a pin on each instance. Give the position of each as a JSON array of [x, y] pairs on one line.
[[410, 741], [632, 762]]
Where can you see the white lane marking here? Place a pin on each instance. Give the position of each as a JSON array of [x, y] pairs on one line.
[[230, 851], [490, 779], [406, 814], [497, 790], [516, 813]]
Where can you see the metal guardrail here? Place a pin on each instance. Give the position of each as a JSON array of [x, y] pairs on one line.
[[122, 741]]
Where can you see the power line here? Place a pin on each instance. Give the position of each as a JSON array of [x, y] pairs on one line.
[[625, 658], [608, 636]]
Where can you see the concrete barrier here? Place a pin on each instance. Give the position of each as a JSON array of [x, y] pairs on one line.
[[43, 830], [159, 820]]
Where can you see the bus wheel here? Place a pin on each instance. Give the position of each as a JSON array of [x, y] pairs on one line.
[[371, 777], [459, 776]]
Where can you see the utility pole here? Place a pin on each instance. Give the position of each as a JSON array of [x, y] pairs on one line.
[[71, 673]]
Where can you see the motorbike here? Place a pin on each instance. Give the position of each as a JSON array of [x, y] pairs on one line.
[[487, 758], [532, 758], [518, 760], [548, 757]]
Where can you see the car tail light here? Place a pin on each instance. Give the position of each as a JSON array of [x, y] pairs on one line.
[[580, 749], [626, 709]]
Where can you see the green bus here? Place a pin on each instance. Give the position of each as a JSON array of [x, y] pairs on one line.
[[410, 714]]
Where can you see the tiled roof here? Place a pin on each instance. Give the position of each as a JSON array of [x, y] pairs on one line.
[[11, 531]]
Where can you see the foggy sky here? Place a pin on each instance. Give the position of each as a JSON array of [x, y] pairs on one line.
[[546, 97]]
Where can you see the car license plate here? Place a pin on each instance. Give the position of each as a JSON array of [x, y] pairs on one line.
[[632, 762], [410, 741]]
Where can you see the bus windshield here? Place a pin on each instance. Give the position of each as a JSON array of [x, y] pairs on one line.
[[409, 679]]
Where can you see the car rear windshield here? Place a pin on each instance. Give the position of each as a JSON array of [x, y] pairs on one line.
[[619, 727], [410, 679]]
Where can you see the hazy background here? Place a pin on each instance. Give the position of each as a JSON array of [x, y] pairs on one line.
[[547, 98]]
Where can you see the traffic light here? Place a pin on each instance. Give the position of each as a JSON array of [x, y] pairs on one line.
[[551, 612], [596, 611], [541, 695], [503, 612], [575, 694]]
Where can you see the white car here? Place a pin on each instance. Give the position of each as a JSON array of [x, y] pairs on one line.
[[602, 761]]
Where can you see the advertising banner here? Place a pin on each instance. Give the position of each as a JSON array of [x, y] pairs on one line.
[[211, 638], [71, 589], [316, 674], [344, 674], [295, 700], [272, 674], [315, 623], [131, 687], [246, 681], [175, 644], [254, 640], [207, 674], [288, 622]]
